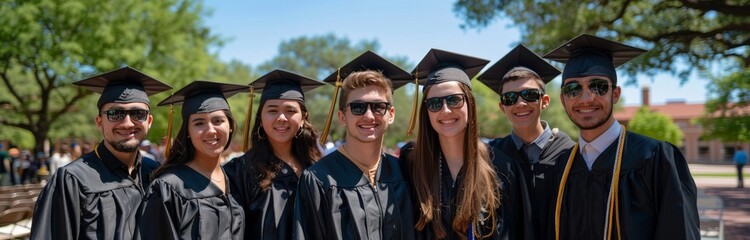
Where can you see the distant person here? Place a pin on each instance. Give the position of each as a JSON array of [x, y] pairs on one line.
[[740, 158], [3, 166], [59, 159], [145, 150]]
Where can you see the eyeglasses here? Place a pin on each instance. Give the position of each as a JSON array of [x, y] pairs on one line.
[[528, 95], [119, 114], [597, 87], [360, 108], [434, 104]]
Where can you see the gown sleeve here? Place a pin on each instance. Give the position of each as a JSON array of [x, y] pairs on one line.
[[308, 220], [160, 218], [678, 213], [57, 210]]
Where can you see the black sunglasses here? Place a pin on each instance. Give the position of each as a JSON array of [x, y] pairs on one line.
[[119, 114], [434, 104], [360, 108], [528, 95], [597, 87]]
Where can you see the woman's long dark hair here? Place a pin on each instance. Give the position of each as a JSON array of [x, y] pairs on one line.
[[264, 165], [480, 188], [183, 151]]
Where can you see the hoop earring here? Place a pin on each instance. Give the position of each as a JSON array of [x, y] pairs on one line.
[[258, 133], [299, 132]]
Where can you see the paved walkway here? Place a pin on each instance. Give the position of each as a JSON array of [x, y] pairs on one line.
[[736, 201]]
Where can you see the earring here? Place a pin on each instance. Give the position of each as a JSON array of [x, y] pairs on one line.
[[299, 132], [258, 133]]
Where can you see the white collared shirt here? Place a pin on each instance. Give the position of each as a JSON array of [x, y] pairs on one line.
[[590, 151]]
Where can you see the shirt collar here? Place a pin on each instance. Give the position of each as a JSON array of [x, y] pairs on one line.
[[113, 163], [603, 141], [540, 140]]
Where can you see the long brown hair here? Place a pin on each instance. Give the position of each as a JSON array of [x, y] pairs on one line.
[[264, 165], [480, 189], [182, 151]]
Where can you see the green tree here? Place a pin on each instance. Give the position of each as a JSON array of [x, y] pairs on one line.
[[656, 125], [48, 44], [319, 56], [728, 111]]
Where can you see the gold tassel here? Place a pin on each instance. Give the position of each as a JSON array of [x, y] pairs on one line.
[[169, 132], [246, 129], [327, 127], [413, 120]]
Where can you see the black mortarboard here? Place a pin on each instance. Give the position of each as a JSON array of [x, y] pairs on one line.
[[203, 97], [277, 84], [518, 59], [440, 66], [123, 85], [367, 61], [588, 55], [281, 84]]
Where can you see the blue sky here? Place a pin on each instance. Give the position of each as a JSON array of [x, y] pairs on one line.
[[408, 28]]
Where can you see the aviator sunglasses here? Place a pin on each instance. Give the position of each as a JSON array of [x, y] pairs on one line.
[[528, 95], [119, 114], [434, 104], [360, 108], [597, 87]]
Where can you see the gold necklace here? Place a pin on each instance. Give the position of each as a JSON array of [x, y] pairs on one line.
[[612, 206]]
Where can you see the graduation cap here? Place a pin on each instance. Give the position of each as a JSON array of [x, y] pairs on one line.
[[588, 55], [440, 66], [124, 85], [200, 97], [367, 61], [277, 84], [518, 59]]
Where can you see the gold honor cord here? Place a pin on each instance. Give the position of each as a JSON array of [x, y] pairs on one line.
[[413, 120], [327, 127], [246, 128], [612, 206], [169, 132]]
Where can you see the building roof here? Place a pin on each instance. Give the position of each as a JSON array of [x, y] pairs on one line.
[[676, 110]]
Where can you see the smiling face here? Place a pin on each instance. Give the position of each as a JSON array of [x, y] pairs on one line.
[[370, 126], [448, 122], [281, 120], [209, 133], [590, 111], [523, 114], [124, 135]]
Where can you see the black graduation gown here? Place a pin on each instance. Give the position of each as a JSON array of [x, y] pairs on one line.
[[657, 195], [336, 201], [92, 198], [268, 214], [509, 218], [184, 204], [539, 178]]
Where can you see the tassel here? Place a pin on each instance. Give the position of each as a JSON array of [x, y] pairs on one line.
[[246, 129], [413, 120], [169, 132], [327, 127]]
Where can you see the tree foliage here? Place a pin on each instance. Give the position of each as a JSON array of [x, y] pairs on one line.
[[728, 110], [656, 125], [48, 44]]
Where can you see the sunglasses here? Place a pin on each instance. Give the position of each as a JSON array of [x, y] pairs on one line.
[[528, 95], [597, 87], [434, 104], [119, 114], [360, 108]]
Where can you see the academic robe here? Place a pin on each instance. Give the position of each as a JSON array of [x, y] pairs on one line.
[[336, 201], [657, 194], [512, 219], [184, 204], [269, 213], [93, 197], [539, 178]]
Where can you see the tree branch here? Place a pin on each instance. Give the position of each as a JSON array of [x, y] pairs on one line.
[[18, 125], [719, 6], [69, 105]]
